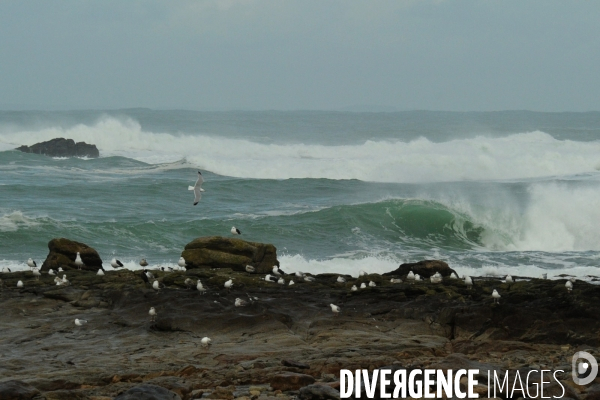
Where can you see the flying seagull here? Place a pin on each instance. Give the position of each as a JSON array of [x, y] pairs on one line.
[[197, 188]]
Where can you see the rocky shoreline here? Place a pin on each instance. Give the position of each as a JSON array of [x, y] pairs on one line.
[[287, 342]]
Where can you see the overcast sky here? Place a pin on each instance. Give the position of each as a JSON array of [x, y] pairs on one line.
[[286, 55]]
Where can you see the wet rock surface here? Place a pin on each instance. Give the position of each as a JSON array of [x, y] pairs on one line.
[[285, 334], [61, 147]]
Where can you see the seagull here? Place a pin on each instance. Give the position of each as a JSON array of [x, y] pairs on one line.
[[36, 273], [509, 279], [396, 280], [188, 283], [568, 285], [149, 274], [235, 231], [156, 285], [417, 277], [454, 276], [78, 261], [205, 341], [31, 263], [354, 288], [299, 274], [468, 282], [276, 270], [100, 272], [363, 285], [336, 310], [340, 279], [152, 314], [436, 278], [6, 269], [229, 284], [144, 277], [496, 296], [64, 280], [410, 277], [60, 269], [200, 287], [20, 284], [572, 279], [281, 281], [291, 283], [250, 268], [197, 188], [362, 273], [181, 262], [143, 262], [270, 278], [51, 272], [309, 279], [80, 322], [372, 284], [116, 263], [239, 302], [58, 281]]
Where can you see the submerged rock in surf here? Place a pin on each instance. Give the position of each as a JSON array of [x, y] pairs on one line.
[[220, 252], [64, 251], [61, 147]]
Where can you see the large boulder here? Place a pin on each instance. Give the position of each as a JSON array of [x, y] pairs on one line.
[[220, 252], [61, 147], [63, 252], [17, 390], [425, 268]]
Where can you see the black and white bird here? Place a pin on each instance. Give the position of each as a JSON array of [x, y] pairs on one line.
[[5, 270], [235, 231], [197, 188], [152, 314], [31, 263], [270, 278], [144, 277], [149, 274], [78, 261], [116, 263], [36, 273], [80, 322], [250, 268], [51, 272]]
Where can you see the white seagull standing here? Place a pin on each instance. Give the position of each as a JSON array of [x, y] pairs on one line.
[[468, 282], [36, 273], [31, 263], [20, 284], [496, 296], [200, 287], [410, 277], [152, 314], [181, 262], [336, 309], [509, 279], [197, 188], [78, 261], [235, 231], [568, 285]]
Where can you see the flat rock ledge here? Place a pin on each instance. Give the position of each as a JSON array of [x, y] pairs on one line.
[[285, 343], [221, 252], [63, 253], [61, 147]]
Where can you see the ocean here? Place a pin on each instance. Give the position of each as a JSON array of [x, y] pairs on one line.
[[490, 193]]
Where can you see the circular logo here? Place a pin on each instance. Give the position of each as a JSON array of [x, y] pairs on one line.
[[584, 368]]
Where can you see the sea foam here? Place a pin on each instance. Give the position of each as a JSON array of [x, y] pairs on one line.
[[513, 157]]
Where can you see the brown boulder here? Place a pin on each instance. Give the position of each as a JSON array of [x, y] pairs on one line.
[[425, 268], [63, 252], [220, 252]]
